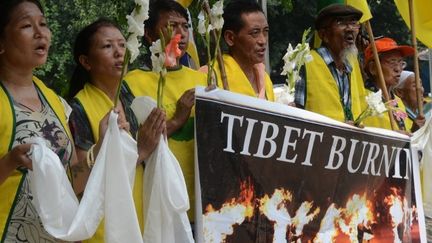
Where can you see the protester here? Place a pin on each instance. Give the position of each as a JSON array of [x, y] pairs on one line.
[[179, 91], [245, 32], [391, 59], [407, 91], [332, 83], [28, 110], [99, 52]]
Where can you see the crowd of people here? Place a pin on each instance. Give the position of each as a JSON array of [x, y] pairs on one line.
[[334, 84]]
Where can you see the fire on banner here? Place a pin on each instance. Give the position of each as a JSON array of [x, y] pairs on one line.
[[266, 172]]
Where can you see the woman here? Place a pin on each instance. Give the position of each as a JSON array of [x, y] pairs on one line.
[[99, 52], [28, 109], [392, 63]]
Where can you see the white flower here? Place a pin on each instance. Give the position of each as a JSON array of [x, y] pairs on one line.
[[216, 24], [157, 57], [134, 27], [140, 15], [202, 23], [133, 45], [374, 101], [216, 13], [217, 8], [282, 95]]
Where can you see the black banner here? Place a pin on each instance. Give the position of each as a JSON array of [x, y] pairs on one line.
[[271, 176]]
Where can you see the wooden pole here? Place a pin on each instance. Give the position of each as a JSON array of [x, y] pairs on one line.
[[219, 57], [416, 62], [381, 80]]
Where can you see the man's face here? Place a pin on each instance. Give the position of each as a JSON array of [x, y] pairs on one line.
[[248, 46], [178, 24], [340, 34]]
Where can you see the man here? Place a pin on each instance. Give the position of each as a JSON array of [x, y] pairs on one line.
[[179, 91], [245, 32], [332, 83], [392, 63]]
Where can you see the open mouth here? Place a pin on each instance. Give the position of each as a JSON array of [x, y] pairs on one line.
[[349, 38], [182, 45], [261, 52], [41, 49]]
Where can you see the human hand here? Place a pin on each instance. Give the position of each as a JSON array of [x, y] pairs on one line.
[[418, 122], [19, 156], [103, 125], [149, 133], [184, 107]]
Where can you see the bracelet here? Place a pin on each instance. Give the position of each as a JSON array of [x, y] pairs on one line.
[[90, 157]]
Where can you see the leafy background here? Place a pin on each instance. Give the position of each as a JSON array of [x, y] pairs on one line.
[[287, 19]]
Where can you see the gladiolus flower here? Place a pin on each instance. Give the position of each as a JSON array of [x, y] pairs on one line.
[[172, 51]]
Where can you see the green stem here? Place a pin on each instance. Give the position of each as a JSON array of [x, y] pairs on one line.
[[210, 68], [362, 116], [160, 91], [124, 67], [215, 53]]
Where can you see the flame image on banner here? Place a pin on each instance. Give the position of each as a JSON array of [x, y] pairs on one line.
[[233, 212], [356, 222]]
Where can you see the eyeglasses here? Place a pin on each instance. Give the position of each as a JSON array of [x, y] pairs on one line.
[[396, 63], [343, 24]]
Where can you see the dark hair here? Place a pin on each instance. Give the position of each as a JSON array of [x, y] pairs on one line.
[[163, 6], [6, 9], [82, 45], [233, 11]]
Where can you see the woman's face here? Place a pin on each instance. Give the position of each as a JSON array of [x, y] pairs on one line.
[[106, 53], [26, 38]]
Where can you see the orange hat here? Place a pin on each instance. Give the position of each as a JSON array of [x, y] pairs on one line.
[[385, 45]]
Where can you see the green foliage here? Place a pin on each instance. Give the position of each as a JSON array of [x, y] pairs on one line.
[[66, 18]]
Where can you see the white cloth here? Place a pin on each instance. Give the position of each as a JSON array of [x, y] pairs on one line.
[[422, 140], [108, 191], [165, 195]]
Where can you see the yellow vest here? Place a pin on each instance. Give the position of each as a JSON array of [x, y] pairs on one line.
[[384, 120], [322, 92], [237, 80], [12, 185], [181, 143], [96, 105]]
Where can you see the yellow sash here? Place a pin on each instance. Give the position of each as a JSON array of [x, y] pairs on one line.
[[96, 105], [12, 185], [237, 80], [181, 143], [322, 92]]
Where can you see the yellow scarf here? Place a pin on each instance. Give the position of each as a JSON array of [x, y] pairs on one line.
[[322, 92], [239, 83], [12, 185]]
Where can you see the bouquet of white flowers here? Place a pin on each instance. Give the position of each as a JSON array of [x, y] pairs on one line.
[[294, 59]]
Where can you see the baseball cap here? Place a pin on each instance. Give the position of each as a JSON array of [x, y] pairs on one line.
[[385, 45]]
